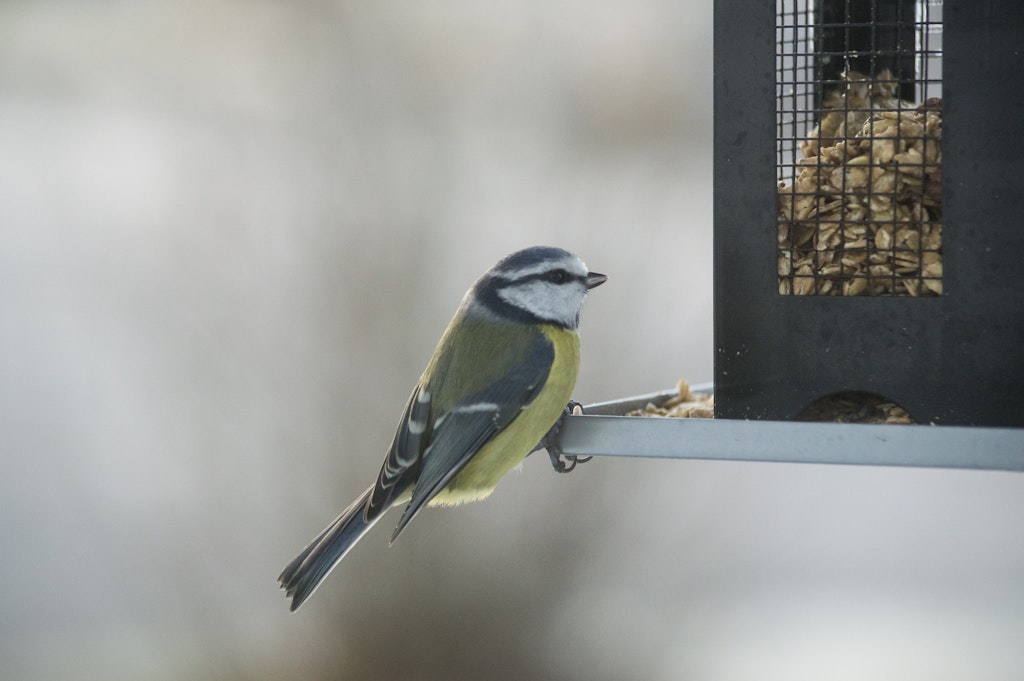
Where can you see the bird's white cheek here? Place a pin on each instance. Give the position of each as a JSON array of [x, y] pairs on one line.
[[556, 303]]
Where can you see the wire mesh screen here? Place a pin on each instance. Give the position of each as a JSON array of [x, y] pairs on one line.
[[859, 161]]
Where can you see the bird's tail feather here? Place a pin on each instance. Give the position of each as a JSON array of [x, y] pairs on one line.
[[304, 574]]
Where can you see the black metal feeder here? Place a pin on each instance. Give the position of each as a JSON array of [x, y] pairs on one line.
[[869, 251], [869, 200]]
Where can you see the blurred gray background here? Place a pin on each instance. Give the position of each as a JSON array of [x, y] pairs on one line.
[[232, 233]]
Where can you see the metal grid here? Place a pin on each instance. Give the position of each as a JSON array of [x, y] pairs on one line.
[[859, 128]]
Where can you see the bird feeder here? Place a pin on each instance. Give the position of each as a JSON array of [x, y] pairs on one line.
[[868, 237], [876, 245]]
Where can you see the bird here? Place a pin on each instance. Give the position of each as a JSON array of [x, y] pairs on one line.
[[495, 388]]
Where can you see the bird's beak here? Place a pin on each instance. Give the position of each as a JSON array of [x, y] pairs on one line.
[[596, 279]]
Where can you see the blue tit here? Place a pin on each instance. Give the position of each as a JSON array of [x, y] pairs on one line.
[[498, 381]]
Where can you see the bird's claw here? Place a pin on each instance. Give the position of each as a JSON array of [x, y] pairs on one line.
[[563, 463]]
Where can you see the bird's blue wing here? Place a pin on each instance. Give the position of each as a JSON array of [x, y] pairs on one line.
[[399, 468], [461, 432]]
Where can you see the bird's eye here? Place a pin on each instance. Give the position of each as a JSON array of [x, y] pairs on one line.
[[558, 276]]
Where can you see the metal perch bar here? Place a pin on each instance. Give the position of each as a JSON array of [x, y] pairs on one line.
[[598, 433]]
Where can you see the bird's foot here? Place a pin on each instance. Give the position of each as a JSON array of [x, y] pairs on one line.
[[562, 463]]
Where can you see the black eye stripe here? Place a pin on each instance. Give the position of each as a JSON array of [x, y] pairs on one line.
[[558, 276]]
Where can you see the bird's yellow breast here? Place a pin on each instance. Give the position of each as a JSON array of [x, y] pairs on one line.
[[509, 447]]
